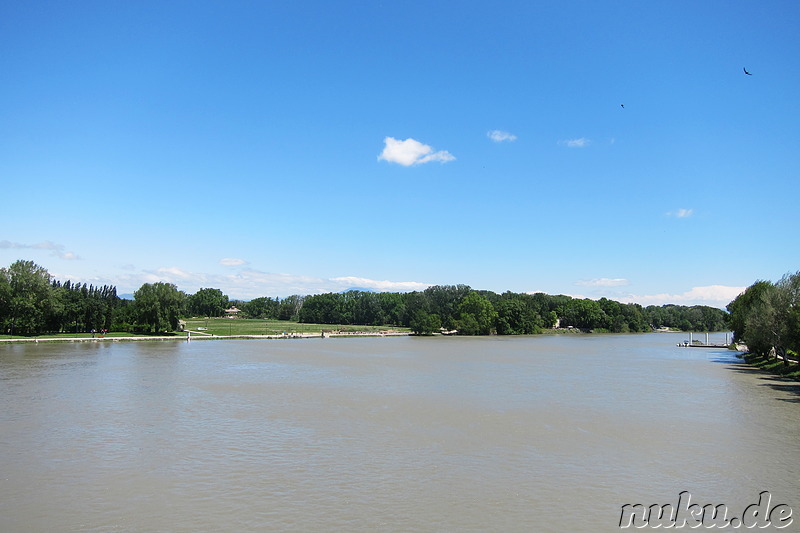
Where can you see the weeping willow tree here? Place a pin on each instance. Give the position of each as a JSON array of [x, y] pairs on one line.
[[766, 317]]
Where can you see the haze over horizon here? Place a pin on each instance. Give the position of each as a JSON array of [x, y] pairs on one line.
[[591, 149]]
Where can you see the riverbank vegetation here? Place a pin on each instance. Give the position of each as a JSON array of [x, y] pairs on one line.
[[471, 312], [766, 317], [773, 366], [32, 303]]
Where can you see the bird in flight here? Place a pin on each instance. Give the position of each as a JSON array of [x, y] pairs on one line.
[[745, 71], [622, 105]]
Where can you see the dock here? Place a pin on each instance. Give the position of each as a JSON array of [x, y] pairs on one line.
[[692, 343], [700, 345]]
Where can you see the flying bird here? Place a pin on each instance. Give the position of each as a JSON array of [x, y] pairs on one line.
[[745, 71], [622, 106]]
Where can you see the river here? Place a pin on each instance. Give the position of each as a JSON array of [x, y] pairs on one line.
[[442, 434]]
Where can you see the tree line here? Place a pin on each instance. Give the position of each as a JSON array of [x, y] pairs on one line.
[[476, 312], [31, 303], [766, 317]]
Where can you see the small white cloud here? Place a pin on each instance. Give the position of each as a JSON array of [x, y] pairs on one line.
[[499, 136], [577, 143], [711, 295], [381, 286], [174, 272], [682, 213], [55, 249], [232, 261], [247, 283], [411, 152], [603, 282]]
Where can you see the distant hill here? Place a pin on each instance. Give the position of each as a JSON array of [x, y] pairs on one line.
[[360, 289]]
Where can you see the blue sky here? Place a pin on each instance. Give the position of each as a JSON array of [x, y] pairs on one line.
[[276, 148]]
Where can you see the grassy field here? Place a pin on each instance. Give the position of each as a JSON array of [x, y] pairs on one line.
[[239, 326]]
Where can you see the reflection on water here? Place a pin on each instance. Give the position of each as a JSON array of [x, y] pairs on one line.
[[546, 433]]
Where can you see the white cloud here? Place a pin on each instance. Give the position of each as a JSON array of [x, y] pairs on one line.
[[500, 136], [711, 295], [380, 286], [57, 250], [246, 283], [232, 261], [577, 143], [411, 152], [603, 282], [681, 213], [174, 273]]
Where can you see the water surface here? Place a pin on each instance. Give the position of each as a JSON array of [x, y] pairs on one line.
[[542, 433]]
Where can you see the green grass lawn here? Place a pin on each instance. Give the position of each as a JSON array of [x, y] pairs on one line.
[[240, 326]]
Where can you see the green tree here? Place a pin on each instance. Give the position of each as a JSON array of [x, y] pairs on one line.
[[443, 300], [786, 305], [26, 297], [637, 318], [327, 308], [158, 306], [5, 298], [367, 310], [124, 316], [476, 315], [766, 316], [393, 306], [73, 303], [207, 302], [289, 307], [424, 323], [517, 315], [694, 318], [791, 285], [584, 314], [414, 302], [261, 308], [763, 327], [743, 305]]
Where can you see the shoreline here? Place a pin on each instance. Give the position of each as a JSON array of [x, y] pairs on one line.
[[190, 335], [199, 335]]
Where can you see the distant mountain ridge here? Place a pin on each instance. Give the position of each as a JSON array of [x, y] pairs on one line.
[[360, 289]]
